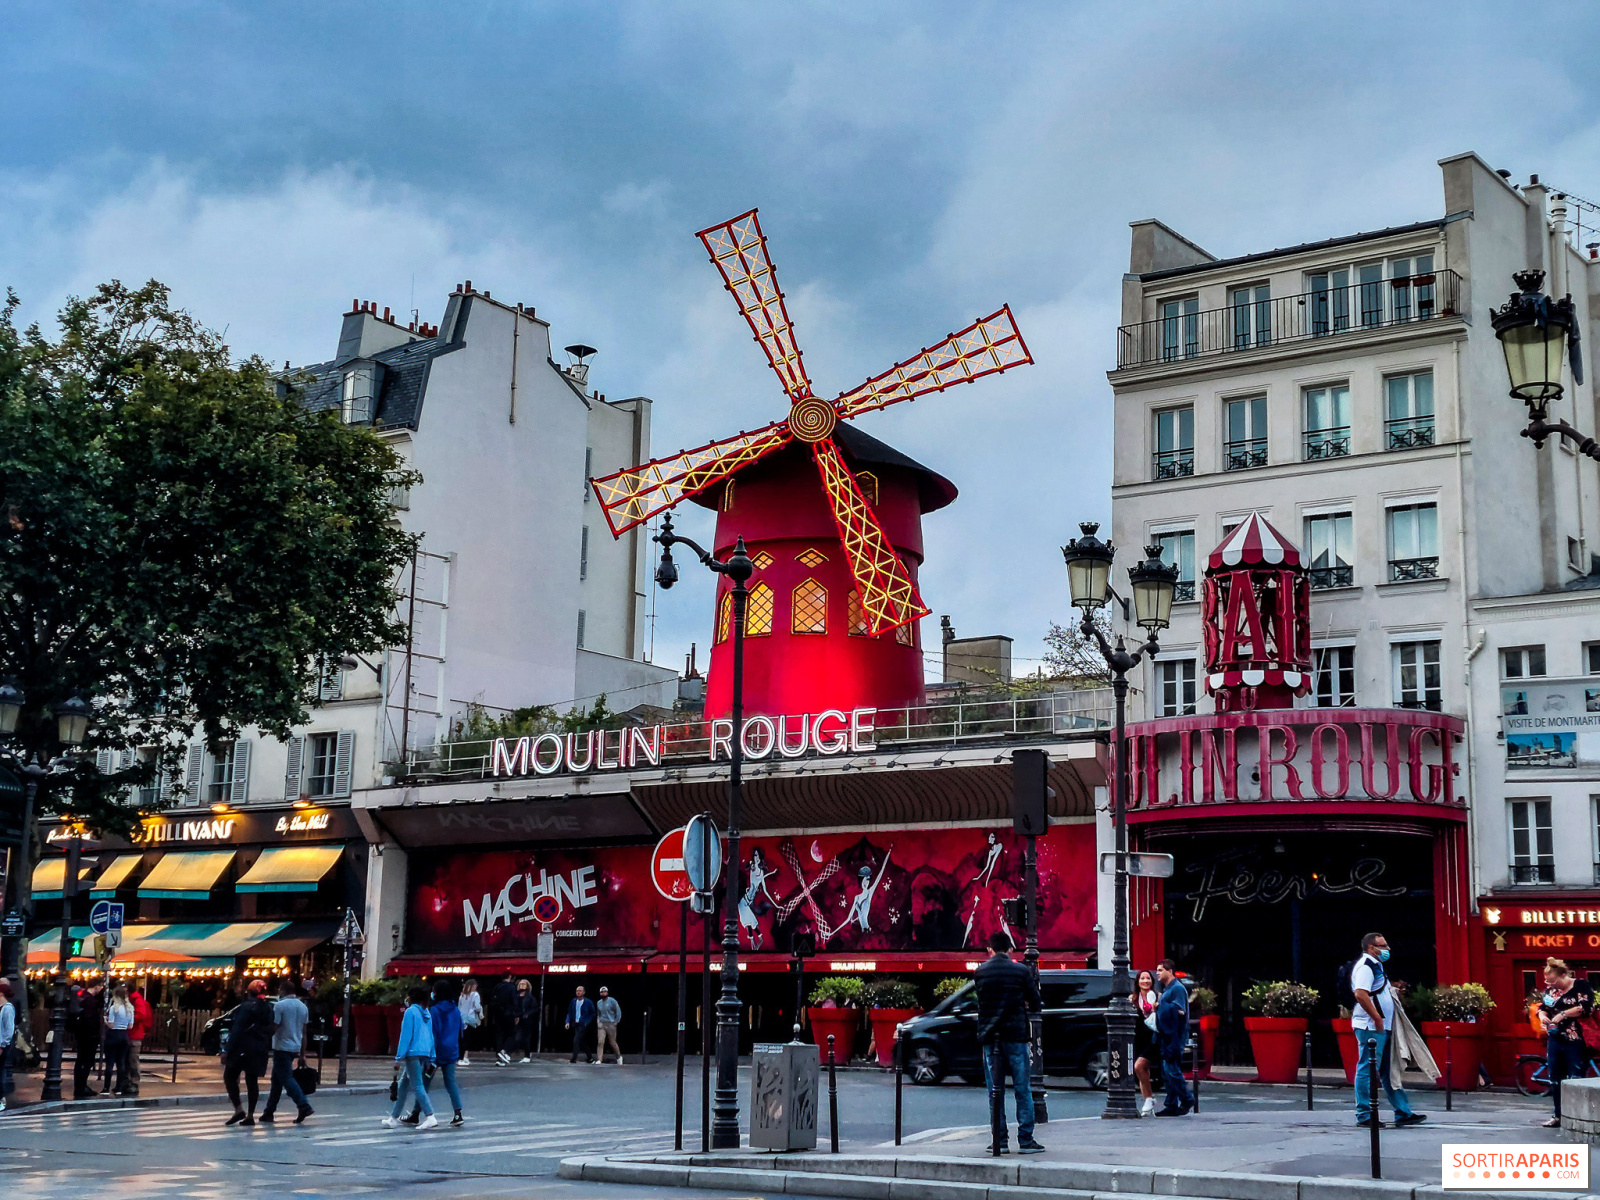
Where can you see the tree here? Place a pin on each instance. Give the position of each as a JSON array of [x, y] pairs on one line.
[[1071, 657], [181, 541]]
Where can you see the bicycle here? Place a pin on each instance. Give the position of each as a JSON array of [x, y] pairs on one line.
[[1532, 1073]]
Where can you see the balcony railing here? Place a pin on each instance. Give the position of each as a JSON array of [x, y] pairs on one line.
[[1333, 442], [1240, 456], [1413, 568], [1408, 433], [1320, 313], [1333, 577], [1173, 464], [1184, 591], [1533, 873]]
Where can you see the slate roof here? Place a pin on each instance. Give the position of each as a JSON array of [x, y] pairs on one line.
[[1303, 247], [405, 380]]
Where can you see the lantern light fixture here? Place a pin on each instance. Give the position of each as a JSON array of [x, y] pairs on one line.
[[72, 721], [11, 702], [1089, 567], [1536, 333], [1154, 584]]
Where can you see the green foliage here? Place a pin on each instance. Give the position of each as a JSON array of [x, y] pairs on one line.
[[1283, 998], [183, 540], [843, 990], [474, 732], [1461, 1002], [889, 993], [1202, 1001], [949, 986]]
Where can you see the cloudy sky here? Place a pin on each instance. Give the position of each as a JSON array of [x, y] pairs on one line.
[[916, 165]]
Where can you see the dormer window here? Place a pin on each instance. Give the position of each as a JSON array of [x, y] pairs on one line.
[[358, 401]]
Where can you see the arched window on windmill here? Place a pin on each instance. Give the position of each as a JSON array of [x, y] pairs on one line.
[[903, 634], [758, 608], [726, 504], [810, 607], [724, 616], [869, 486], [856, 616]]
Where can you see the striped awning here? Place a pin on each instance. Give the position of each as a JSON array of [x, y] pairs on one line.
[[44, 947], [50, 877], [189, 875], [289, 869], [114, 876], [1255, 543]]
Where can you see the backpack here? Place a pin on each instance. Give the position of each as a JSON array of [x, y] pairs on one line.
[[1345, 989]]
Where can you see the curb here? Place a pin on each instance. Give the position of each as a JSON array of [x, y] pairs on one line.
[[204, 1099]]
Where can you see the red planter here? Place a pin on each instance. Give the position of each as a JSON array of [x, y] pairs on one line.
[[1208, 1026], [1278, 1045], [883, 1022], [842, 1023], [393, 1018], [1466, 1050], [1349, 1052], [367, 1024]]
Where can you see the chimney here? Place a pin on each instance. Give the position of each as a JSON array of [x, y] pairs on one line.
[[946, 629]]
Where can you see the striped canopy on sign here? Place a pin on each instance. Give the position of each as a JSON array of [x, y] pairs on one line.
[[1255, 542]]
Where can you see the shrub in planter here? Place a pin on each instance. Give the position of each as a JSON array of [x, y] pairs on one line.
[[1277, 1028], [1461, 1002], [949, 986], [1203, 1008], [888, 1002], [836, 1009], [1202, 1002], [1281, 999], [1458, 1010]]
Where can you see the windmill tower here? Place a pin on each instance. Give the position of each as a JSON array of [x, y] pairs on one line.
[[831, 517]]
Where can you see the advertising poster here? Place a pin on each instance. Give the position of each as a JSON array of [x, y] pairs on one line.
[[1552, 724]]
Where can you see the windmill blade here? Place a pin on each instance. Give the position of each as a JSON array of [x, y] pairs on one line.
[[986, 347], [888, 597], [639, 493], [739, 250]]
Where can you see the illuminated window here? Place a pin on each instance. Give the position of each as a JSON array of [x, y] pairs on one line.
[[903, 634], [758, 611], [727, 497], [810, 607], [869, 486], [811, 558], [855, 615], [762, 560], [724, 616]]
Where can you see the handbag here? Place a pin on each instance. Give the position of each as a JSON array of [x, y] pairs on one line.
[[306, 1078]]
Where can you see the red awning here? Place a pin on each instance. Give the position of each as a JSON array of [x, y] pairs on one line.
[[863, 963], [1255, 543]]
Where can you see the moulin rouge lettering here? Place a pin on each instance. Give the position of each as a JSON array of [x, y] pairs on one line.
[[829, 732]]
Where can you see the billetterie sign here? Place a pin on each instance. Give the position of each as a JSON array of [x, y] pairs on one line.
[[829, 732]]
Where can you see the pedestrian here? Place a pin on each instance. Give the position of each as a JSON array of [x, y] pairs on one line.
[[1145, 998], [144, 1019], [504, 1010], [1007, 993], [290, 1017], [118, 1021], [8, 1037], [445, 1016], [84, 1012], [1373, 1020], [527, 1010], [608, 1013], [413, 1054], [580, 1020], [1566, 1004], [471, 1008], [1172, 1034], [249, 1045]]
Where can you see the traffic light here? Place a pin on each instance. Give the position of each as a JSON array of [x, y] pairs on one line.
[[1030, 790], [100, 953], [75, 948], [1016, 910]]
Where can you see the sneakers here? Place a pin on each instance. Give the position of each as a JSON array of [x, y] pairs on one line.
[[1414, 1118], [1551, 1123], [390, 1123], [429, 1122], [414, 1119], [458, 1119], [464, 1061], [524, 1059], [1148, 1109], [1029, 1147], [503, 1058]]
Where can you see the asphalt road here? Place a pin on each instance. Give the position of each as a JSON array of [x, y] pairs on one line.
[[521, 1121]]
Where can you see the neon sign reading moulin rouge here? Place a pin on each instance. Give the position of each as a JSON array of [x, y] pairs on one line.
[[829, 732]]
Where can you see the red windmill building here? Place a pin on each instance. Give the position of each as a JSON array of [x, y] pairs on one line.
[[836, 540]]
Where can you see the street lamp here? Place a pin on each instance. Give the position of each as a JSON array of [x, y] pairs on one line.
[[725, 1103], [1153, 582], [11, 700], [1535, 334], [72, 722]]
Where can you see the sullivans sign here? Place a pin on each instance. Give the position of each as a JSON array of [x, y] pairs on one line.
[[829, 732]]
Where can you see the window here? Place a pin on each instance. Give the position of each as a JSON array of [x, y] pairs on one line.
[[810, 607], [1246, 440], [1411, 287], [358, 395], [855, 615], [1175, 686], [1180, 328], [811, 557], [330, 680], [400, 498], [1592, 657], [1533, 852], [1174, 437], [583, 554], [1522, 662], [1327, 421], [323, 749], [1334, 668], [583, 620], [761, 560], [1330, 539], [758, 608], [219, 783], [1228, 527], [727, 497], [1416, 675], [588, 472], [1574, 554], [1330, 301], [724, 616], [869, 486], [904, 635], [1252, 315], [1408, 418], [150, 793], [1370, 293], [1413, 541], [1177, 550]]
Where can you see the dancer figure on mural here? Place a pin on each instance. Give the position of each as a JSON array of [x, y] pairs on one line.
[[861, 906], [981, 884], [748, 919]]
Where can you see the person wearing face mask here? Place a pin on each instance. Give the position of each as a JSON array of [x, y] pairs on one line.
[[1373, 1020], [1566, 1005]]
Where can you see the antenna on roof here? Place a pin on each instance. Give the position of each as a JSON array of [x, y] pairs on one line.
[[578, 372]]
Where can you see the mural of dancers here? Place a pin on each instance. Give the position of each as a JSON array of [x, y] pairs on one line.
[[749, 918], [861, 907]]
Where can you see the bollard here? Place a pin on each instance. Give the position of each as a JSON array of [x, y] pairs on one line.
[[899, 1080], [833, 1100], [644, 1041], [174, 1026], [996, 1078], [1372, 1088], [1448, 1095], [1308, 1071], [1194, 1070]]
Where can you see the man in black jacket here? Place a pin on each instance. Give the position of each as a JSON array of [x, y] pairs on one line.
[[503, 1011], [249, 1044], [85, 1007], [1007, 993]]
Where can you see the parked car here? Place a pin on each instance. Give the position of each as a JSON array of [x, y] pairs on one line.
[[944, 1040]]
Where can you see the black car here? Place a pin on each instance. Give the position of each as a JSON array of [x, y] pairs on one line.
[[944, 1041]]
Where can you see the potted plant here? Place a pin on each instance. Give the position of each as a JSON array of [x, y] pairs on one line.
[[1203, 1008], [1276, 1022], [949, 986], [1457, 1013], [888, 1003], [366, 1016], [836, 1009]]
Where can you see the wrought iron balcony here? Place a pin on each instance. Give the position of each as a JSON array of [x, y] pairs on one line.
[[1413, 568], [1408, 433], [1240, 456], [1183, 591], [1173, 464], [1427, 703], [1330, 312], [1533, 873], [1342, 575], [1333, 442]]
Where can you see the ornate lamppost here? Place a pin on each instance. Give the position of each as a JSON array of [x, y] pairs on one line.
[[1537, 333], [1154, 583], [725, 1102]]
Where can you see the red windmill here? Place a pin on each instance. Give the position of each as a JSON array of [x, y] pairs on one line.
[[836, 548]]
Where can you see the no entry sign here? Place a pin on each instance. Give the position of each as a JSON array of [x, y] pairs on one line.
[[667, 868], [546, 908]]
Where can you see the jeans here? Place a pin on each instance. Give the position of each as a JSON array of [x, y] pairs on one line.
[[1565, 1060], [83, 1066], [1398, 1100], [283, 1081], [5, 1071], [448, 1070], [1177, 1087], [1013, 1057], [583, 1042], [412, 1081], [117, 1059]]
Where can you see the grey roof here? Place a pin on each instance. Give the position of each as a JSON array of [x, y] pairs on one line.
[[1584, 583], [1326, 244], [405, 380]]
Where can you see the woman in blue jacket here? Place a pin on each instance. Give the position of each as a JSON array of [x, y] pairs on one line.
[[413, 1054], [446, 1045]]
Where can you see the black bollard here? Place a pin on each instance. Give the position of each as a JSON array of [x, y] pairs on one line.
[[1372, 1087], [175, 1024], [899, 1080], [1308, 1071], [644, 1040], [1449, 1096], [1194, 1070], [833, 1100], [997, 1097]]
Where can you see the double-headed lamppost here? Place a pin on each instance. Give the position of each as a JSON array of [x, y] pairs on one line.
[[1153, 582], [72, 724], [725, 1102], [1537, 333]]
